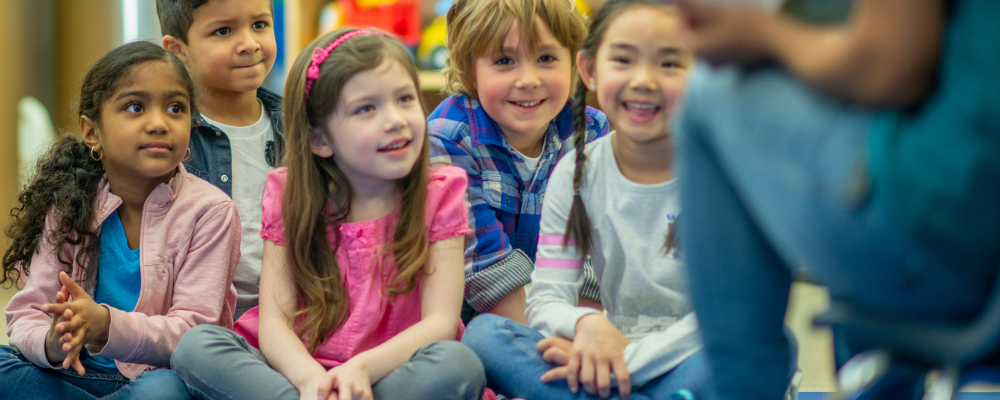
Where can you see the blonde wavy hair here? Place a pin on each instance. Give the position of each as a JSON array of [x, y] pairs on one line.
[[478, 27]]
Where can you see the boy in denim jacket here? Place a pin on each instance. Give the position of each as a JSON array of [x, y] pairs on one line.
[[229, 47]]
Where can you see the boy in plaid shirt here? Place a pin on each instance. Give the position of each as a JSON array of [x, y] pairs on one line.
[[507, 122]]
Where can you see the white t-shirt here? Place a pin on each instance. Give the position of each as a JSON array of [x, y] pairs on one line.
[[531, 162], [250, 171]]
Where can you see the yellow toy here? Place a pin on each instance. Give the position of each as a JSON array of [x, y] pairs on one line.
[[433, 52]]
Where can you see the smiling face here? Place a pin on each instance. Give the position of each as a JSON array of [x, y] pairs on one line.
[[639, 71], [522, 90], [145, 125], [377, 131], [231, 45]]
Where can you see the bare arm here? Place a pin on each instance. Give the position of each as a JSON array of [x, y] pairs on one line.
[[885, 55], [284, 350], [512, 306]]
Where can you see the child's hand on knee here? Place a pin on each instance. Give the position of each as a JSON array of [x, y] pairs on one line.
[[555, 350], [598, 350], [82, 321]]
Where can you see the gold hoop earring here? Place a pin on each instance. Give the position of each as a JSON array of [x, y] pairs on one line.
[[188, 156], [98, 158]]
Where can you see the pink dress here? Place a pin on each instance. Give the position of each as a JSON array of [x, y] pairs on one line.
[[372, 319]]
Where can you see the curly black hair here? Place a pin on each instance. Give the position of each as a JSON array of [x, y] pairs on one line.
[[66, 179]]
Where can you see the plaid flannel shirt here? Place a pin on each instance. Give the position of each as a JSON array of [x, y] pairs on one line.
[[505, 210]]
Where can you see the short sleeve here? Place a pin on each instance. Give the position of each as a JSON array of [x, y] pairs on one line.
[[447, 212], [272, 226]]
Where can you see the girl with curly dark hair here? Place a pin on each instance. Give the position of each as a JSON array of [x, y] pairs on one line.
[[118, 249]]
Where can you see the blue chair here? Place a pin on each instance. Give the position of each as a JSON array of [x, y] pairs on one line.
[[951, 348]]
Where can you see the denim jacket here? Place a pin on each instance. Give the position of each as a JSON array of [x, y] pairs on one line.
[[211, 154]]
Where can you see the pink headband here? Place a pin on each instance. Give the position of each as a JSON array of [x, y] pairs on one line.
[[321, 54]]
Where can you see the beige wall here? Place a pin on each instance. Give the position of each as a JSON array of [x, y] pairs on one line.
[[46, 47], [14, 50], [85, 31]]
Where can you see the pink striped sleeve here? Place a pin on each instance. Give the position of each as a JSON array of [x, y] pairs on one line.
[[554, 240], [559, 263]]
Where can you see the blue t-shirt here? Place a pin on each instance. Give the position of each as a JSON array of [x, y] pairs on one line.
[[937, 167], [118, 279]]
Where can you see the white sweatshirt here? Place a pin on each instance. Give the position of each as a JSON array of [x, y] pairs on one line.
[[643, 288]]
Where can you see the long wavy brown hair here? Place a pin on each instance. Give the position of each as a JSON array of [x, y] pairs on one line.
[[318, 195]]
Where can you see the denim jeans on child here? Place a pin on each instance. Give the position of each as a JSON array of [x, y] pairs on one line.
[[774, 176], [217, 363], [20, 379], [514, 367]]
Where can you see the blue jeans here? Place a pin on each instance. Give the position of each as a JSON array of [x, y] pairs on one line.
[[774, 176], [217, 363], [20, 379], [514, 367]]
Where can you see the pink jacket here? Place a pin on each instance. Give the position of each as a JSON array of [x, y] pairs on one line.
[[190, 245]]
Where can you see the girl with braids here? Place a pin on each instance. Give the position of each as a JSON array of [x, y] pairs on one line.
[[361, 286], [122, 250], [616, 201]]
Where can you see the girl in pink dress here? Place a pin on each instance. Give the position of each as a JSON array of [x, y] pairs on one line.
[[362, 281]]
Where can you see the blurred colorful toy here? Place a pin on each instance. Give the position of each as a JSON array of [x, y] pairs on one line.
[[433, 50], [398, 17]]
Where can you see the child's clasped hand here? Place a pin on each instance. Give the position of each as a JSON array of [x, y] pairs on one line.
[[76, 321]]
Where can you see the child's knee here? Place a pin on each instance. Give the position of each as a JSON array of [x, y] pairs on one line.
[[456, 366], [196, 344], [482, 329], [9, 354], [159, 383]]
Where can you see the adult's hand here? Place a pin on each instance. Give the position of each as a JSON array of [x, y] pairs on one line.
[[726, 34]]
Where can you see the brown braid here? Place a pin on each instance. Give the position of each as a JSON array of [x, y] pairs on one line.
[[578, 226]]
